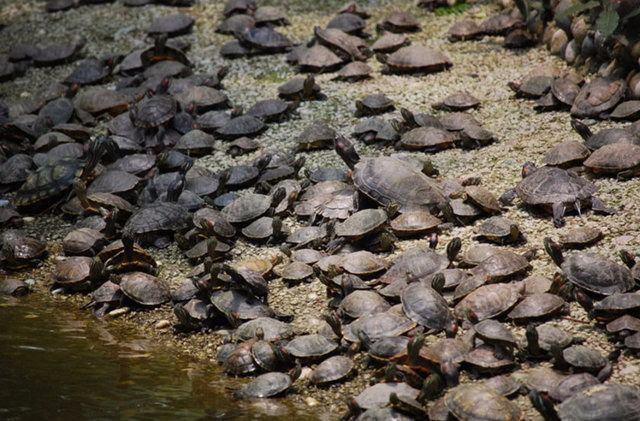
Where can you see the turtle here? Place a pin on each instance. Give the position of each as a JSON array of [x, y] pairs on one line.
[[195, 143], [272, 110], [425, 306], [237, 306], [10, 218], [565, 90], [624, 325], [589, 271], [265, 39], [602, 401], [567, 154], [500, 24], [264, 228], [346, 46], [377, 326], [495, 333], [125, 256], [154, 111], [399, 22], [537, 306], [202, 99], [234, 49], [598, 96], [272, 329], [91, 72], [571, 385], [419, 262], [295, 272], [268, 385], [532, 87], [20, 250], [555, 189], [251, 206], [582, 358], [354, 8], [58, 53], [233, 7], [239, 360], [317, 135], [619, 159], [613, 305], [98, 200], [270, 15], [349, 23], [241, 126], [300, 88], [195, 314], [414, 59], [144, 289], [487, 359], [389, 43], [388, 180], [136, 163], [580, 237], [377, 396], [358, 226], [470, 401], [373, 104], [604, 136], [362, 303], [414, 223], [77, 273], [354, 71], [248, 280], [105, 298], [242, 145], [162, 51], [427, 139], [310, 347], [375, 129], [627, 110], [15, 171], [502, 265], [332, 370], [155, 222], [499, 230], [13, 287], [362, 263], [488, 301], [464, 30], [318, 59], [83, 241], [459, 101], [173, 25]]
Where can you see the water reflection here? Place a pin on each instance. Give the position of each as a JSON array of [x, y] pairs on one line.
[[54, 364]]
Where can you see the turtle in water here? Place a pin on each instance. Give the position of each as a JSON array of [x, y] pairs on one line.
[[555, 190]]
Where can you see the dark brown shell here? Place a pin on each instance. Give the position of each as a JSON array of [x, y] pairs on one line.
[[144, 289], [598, 96]]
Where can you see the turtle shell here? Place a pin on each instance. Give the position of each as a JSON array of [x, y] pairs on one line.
[[536, 306], [265, 386], [266, 39], [310, 346], [173, 25], [158, 217], [488, 301], [611, 401], [354, 71], [571, 385], [377, 326], [495, 332], [246, 208], [154, 111], [464, 30], [614, 158], [272, 329], [417, 58], [580, 237], [318, 59], [415, 262], [414, 223], [46, 183], [459, 101], [476, 401], [144, 289], [389, 42], [628, 110], [597, 274], [362, 223], [362, 263], [567, 154], [428, 139], [362, 303], [244, 125], [240, 304], [388, 180], [73, 271], [426, 307], [584, 358], [548, 185], [598, 96], [400, 22], [332, 369]]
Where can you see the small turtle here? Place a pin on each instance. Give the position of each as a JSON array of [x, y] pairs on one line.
[[459, 101], [272, 329], [500, 230], [105, 298], [428, 139], [415, 59], [620, 159], [13, 287], [265, 39], [241, 126], [318, 135], [591, 272], [377, 396], [233, 7], [250, 207], [476, 401], [310, 346], [362, 263], [604, 136], [271, 110], [268, 385], [532, 87], [598, 96], [263, 229], [414, 223], [375, 129], [362, 303], [580, 237], [495, 333], [500, 24], [144, 289], [373, 104], [55, 54], [348, 23], [389, 43], [624, 325], [172, 25], [567, 154], [241, 146], [571, 385], [487, 359], [464, 30], [162, 51], [377, 326], [537, 306], [20, 250], [83, 241], [269, 15], [582, 358], [425, 306], [565, 90], [399, 22], [77, 273], [91, 72], [488, 301], [354, 72], [627, 110], [554, 189], [346, 46], [300, 88], [332, 370], [318, 59], [195, 143]]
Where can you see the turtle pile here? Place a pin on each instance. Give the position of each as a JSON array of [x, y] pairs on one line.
[[116, 147]]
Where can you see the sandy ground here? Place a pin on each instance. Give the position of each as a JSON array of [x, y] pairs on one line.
[[482, 68]]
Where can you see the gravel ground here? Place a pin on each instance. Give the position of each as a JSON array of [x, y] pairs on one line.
[[482, 68]]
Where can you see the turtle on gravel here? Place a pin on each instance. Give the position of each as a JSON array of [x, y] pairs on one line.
[[555, 190], [77, 273], [144, 289], [477, 401], [268, 385], [597, 97], [399, 22], [459, 101], [354, 72], [591, 272], [500, 230], [388, 180], [250, 207], [595, 141], [242, 126], [414, 59], [619, 159], [332, 370], [389, 43], [13, 287], [567, 154], [172, 25], [580, 237], [19, 250], [300, 88], [318, 59]]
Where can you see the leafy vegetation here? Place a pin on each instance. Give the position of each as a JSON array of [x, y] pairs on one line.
[[456, 9], [608, 21]]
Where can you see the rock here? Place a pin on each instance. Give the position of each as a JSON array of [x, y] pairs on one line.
[[311, 401], [118, 312], [162, 324], [28, 219]]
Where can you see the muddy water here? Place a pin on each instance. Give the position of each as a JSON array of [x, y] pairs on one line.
[[57, 363]]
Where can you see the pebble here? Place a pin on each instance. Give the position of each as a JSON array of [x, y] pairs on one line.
[[311, 401], [305, 373], [28, 219], [30, 282], [162, 324], [118, 312]]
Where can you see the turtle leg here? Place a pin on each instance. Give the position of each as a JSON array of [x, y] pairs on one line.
[[558, 214], [578, 207], [598, 206]]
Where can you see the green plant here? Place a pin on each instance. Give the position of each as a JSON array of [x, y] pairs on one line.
[[608, 20]]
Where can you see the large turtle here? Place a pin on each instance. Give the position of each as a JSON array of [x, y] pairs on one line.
[[555, 190], [388, 180]]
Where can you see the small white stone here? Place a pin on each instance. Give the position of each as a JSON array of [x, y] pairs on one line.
[[305, 373], [28, 219], [162, 324], [311, 401], [118, 312]]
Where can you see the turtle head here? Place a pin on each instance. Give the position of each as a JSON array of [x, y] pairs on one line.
[[451, 328], [175, 189], [127, 242], [295, 371], [278, 196], [543, 403], [431, 388], [286, 250], [259, 334], [471, 315], [414, 346], [222, 72], [381, 58], [528, 168], [334, 323], [159, 42], [408, 117], [212, 245], [345, 149], [554, 250], [582, 129], [262, 161], [453, 248], [96, 270], [308, 85], [163, 86], [583, 299], [531, 334], [433, 241], [276, 225], [628, 258]]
